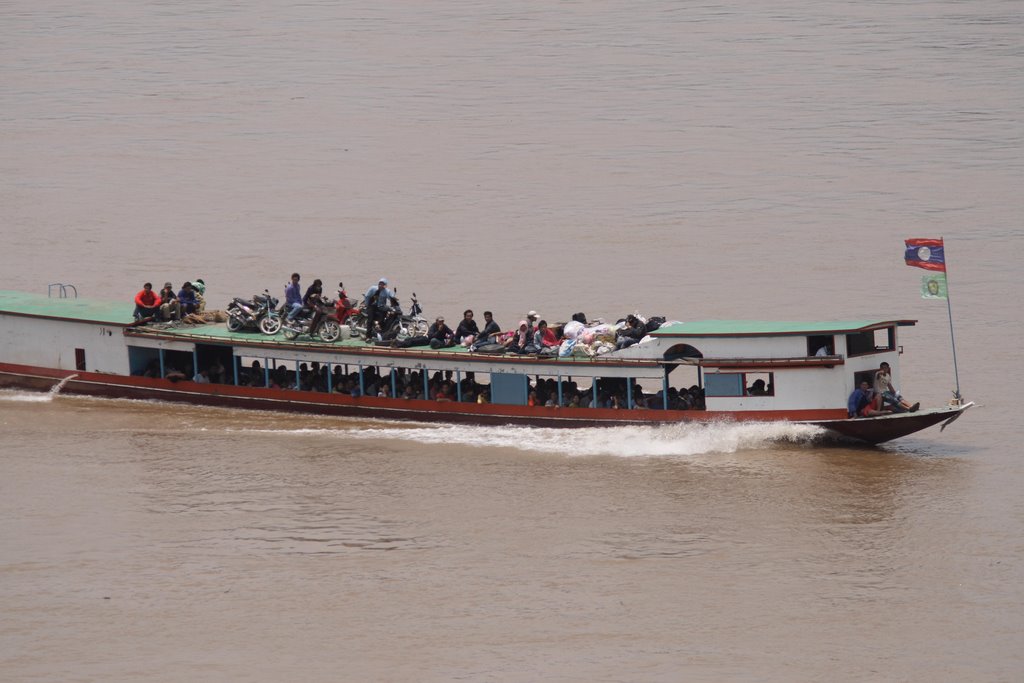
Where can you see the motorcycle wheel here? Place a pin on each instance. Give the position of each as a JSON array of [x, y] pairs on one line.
[[234, 324], [290, 334], [270, 324], [330, 331]]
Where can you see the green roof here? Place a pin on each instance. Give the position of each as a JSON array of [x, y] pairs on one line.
[[744, 328], [40, 305]]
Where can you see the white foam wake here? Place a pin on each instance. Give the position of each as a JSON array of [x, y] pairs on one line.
[[631, 441], [25, 396]]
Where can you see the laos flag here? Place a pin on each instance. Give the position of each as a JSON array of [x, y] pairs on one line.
[[925, 253]]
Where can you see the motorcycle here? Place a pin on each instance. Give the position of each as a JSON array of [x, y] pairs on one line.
[[396, 324], [319, 323], [258, 312], [345, 308]]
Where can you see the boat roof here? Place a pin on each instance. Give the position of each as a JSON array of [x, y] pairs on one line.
[[752, 328], [85, 310], [120, 313]]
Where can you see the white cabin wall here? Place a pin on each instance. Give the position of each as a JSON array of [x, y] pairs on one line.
[[795, 389], [52, 343]]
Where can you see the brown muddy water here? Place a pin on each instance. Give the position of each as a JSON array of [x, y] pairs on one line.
[[693, 160]]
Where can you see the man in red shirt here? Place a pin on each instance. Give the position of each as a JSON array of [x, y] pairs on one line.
[[147, 303]]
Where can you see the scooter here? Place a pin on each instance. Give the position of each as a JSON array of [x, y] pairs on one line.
[[258, 312], [344, 308]]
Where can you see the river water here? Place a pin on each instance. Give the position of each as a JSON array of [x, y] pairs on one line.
[[694, 160]]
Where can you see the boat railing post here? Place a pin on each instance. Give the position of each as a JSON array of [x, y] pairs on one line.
[[163, 370], [394, 384], [362, 383], [330, 380], [426, 385], [458, 386], [593, 388], [195, 362], [559, 380], [298, 377], [266, 371], [234, 367], [664, 391], [629, 393]]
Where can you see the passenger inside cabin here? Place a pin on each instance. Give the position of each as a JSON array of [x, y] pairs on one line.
[[757, 388]]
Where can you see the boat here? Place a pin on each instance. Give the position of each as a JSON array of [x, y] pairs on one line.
[[743, 371]]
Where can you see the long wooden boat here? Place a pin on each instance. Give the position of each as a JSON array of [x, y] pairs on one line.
[[93, 348]]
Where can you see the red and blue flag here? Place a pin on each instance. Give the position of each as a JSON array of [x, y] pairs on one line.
[[925, 253]]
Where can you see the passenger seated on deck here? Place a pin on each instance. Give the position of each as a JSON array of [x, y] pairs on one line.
[[544, 337], [187, 299], [199, 285], [491, 328], [147, 303], [440, 335], [169, 307], [886, 394], [521, 340], [861, 403], [467, 331], [633, 332], [293, 297]]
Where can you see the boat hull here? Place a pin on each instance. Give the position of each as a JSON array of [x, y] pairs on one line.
[[870, 430], [876, 430]]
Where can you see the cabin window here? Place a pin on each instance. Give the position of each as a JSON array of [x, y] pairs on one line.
[[80, 359], [872, 341], [816, 343], [725, 384]]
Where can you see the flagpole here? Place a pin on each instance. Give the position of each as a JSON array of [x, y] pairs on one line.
[[952, 339]]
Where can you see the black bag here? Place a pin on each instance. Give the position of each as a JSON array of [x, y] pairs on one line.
[[654, 323]]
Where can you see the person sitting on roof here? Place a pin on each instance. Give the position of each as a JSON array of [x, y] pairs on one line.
[[169, 307], [440, 335], [521, 341], [633, 332], [187, 299], [489, 335], [293, 297], [147, 303], [467, 331], [544, 337], [199, 287]]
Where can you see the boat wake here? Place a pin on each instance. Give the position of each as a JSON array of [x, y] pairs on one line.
[[13, 396], [627, 441]]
